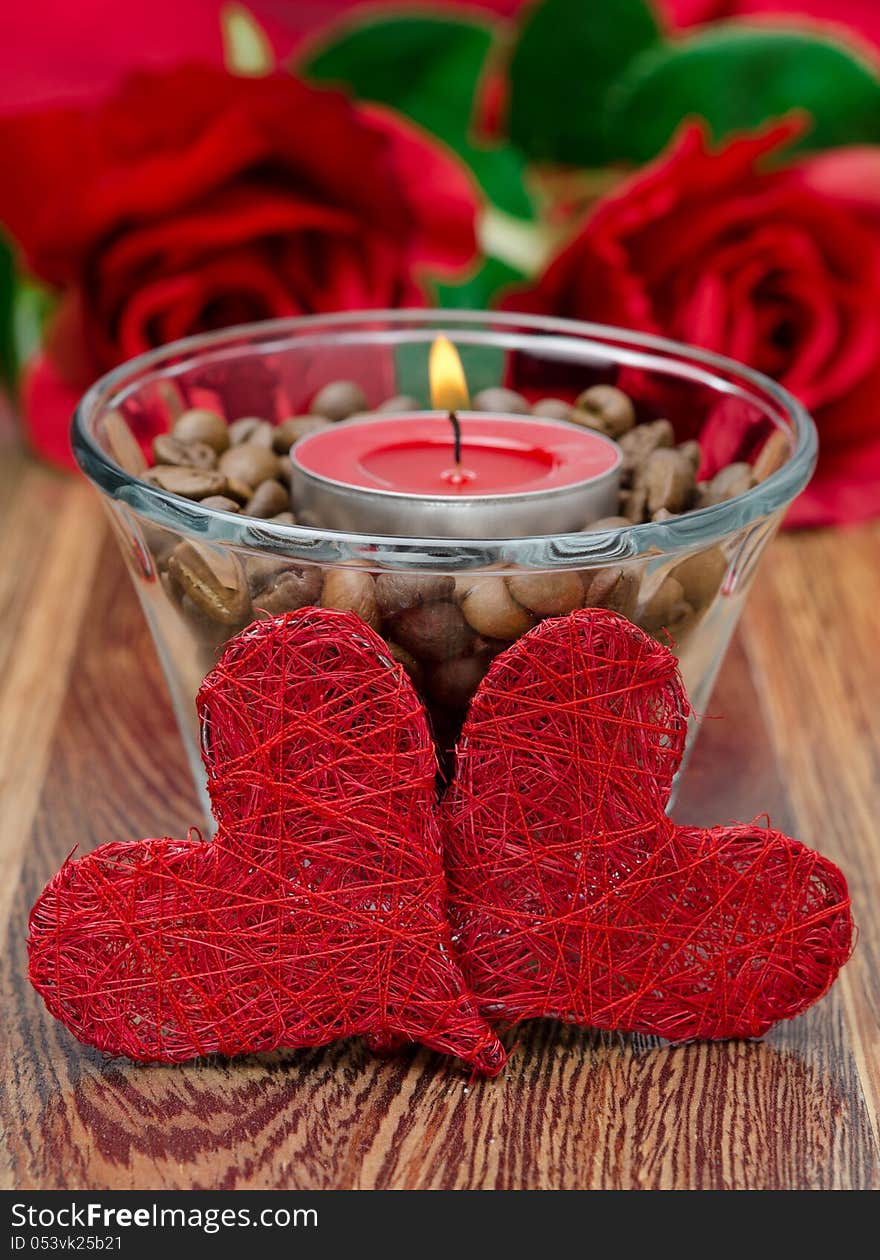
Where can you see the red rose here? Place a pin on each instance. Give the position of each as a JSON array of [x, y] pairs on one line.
[[848, 17], [194, 199], [779, 268]]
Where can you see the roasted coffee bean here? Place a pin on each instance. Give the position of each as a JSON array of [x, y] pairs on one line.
[[611, 588], [268, 499], [665, 606], [352, 589], [295, 427], [221, 503], [731, 481], [774, 453], [552, 409], [397, 591], [252, 429], [249, 464], [401, 402], [292, 587], [338, 400], [497, 398], [453, 683], [667, 477], [210, 632], [547, 594], [214, 580], [489, 647], [201, 425], [490, 609], [692, 451], [606, 409], [607, 522], [238, 490], [168, 450], [701, 576], [642, 441], [633, 503], [191, 483], [408, 661], [123, 445], [433, 632]]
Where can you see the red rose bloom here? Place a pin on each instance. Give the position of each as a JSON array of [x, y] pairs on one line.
[[194, 200], [779, 268]]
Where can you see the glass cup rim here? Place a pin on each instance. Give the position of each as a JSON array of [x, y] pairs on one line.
[[692, 530]]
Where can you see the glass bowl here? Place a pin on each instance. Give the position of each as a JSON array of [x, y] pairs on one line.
[[683, 579]]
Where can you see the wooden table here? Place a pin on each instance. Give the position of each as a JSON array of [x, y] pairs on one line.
[[89, 752]]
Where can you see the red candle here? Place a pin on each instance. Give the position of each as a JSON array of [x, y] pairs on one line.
[[397, 474]]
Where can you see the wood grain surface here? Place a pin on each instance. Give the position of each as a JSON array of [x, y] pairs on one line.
[[89, 752]]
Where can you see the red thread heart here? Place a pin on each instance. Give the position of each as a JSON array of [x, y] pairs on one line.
[[572, 894], [317, 912]]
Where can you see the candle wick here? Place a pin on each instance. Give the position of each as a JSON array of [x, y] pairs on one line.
[[456, 432]]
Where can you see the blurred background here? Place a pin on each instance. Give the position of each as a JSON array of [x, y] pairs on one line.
[[704, 169]]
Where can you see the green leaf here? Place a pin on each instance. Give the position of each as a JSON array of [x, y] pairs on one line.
[[568, 55], [483, 367], [429, 69], [736, 79], [7, 306], [477, 292]]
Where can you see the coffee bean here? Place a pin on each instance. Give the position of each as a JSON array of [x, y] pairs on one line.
[[633, 503], [191, 483], [249, 464], [693, 451], [453, 683], [642, 441], [338, 400], [400, 402], [397, 591], [667, 477], [611, 588], [201, 425], [122, 444], [433, 632], [490, 609], [168, 450], [252, 429], [268, 499], [287, 588], [701, 576], [552, 409], [774, 453], [408, 661], [606, 409], [731, 481], [497, 398], [214, 580], [607, 522], [547, 594], [352, 589], [666, 605], [238, 490], [220, 503], [295, 427]]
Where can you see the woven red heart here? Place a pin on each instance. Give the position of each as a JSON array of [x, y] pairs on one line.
[[318, 910], [572, 894]]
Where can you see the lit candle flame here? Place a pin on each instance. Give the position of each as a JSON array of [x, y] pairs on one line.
[[448, 385]]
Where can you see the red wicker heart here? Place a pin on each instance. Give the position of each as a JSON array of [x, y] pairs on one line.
[[572, 894], [318, 910]]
